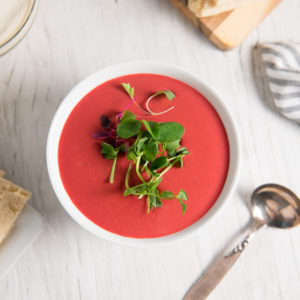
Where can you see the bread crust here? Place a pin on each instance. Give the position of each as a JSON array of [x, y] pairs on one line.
[[12, 200], [205, 8]]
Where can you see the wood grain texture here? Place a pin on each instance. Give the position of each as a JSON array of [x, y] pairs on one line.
[[71, 39], [229, 29]]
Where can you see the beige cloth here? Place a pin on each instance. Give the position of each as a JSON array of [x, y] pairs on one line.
[[13, 15]]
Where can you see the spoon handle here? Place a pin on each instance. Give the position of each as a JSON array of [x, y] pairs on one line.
[[205, 285]]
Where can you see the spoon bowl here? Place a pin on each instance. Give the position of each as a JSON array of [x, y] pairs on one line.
[[276, 206]]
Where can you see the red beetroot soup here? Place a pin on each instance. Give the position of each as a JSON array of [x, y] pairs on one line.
[[85, 173]]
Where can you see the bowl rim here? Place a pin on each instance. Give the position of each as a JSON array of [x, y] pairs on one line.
[[135, 67]]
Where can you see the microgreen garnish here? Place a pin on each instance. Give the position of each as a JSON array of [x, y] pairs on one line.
[[109, 152], [169, 94], [152, 148], [105, 121], [130, 91]]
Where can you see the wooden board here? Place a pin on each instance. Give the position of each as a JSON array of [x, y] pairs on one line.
[[227, 30]]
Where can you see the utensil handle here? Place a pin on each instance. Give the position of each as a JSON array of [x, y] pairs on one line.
[[205, 285]]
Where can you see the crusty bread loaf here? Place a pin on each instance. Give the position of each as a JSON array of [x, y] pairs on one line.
[[229, 28], [12, 200], [204, 8]]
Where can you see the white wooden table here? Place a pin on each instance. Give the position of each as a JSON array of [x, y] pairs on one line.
[[71, 39]]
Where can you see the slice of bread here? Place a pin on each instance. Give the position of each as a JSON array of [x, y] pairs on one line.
[[12, 200], [204, 8]]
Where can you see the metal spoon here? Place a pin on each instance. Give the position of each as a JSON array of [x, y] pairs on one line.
[[272, 205]]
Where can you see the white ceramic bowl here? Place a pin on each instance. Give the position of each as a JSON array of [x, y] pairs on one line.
[[88, 84]]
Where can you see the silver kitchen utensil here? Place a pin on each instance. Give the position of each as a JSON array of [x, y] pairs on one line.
[[272, 205]]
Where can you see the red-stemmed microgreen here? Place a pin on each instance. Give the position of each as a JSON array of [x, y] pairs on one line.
[[130, 91]]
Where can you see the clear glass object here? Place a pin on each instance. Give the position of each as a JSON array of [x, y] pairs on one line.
[[16, 16]]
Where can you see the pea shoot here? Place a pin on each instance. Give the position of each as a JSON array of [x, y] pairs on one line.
[[152, 149]]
